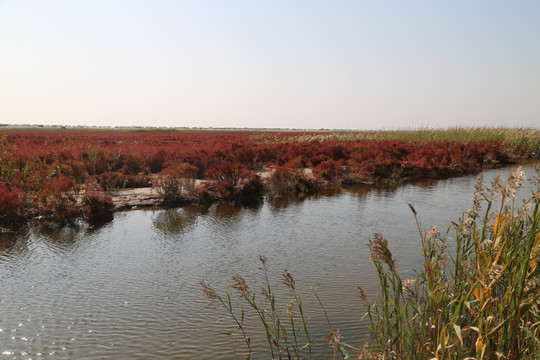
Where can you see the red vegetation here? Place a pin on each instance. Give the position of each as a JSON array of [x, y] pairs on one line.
[[11, 205], [44, 170], [176, 182], [285, 180], [57, 200], [233, 181], [97, 203]]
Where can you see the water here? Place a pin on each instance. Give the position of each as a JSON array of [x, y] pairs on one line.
[[130, 289]]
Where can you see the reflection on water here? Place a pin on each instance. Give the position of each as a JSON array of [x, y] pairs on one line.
[[98, 223], [129, 289], [63, 237], [13, 242], [175, 221], [227, 211], [284, 202]]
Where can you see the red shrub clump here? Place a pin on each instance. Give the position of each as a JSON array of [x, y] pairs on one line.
[[233, 181], [97, 203], [330, 169], [12, 204], [58, 201], [286, 180], [176, 182]]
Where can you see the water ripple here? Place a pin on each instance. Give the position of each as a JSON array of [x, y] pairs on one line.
[[130, 289]]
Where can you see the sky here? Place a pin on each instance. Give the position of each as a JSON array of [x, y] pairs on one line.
[[302, 64]]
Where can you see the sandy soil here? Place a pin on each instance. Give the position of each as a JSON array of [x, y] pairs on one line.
[[132, 198]]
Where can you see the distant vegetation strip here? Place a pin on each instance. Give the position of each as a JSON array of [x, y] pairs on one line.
[[513, 137], [57, 176]]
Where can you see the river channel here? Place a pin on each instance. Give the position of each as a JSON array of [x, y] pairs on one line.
[[129, 289]]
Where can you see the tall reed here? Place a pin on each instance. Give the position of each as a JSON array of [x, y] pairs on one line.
[[481, 302], [286, 328]]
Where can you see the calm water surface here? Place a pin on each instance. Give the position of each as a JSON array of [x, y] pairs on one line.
[[130, 289]]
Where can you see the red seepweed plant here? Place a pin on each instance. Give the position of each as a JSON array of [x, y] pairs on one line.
[[97, 203], [46, 167]]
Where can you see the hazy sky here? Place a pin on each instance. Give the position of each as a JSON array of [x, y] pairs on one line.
[[292, 64]]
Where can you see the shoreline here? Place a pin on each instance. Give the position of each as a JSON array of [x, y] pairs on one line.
[[148, 197], [51, 179], [127, 199]]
